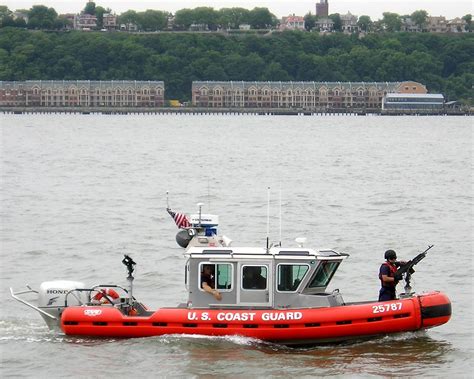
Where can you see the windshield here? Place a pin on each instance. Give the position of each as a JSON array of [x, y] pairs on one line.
[[324, 273], [290, 276]]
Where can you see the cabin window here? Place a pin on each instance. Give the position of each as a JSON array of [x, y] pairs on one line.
[[217, 275], [254, 277], [224, 276], [324, 273], [290, 276]]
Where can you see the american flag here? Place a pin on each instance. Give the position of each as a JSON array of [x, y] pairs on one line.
[[180, 219]]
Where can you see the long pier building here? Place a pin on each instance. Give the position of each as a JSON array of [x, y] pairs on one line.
[[298, 95], [82, 93]]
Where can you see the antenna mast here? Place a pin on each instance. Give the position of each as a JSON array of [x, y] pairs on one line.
[[208, 195], [200, 212], [268, 219], [280, 215]]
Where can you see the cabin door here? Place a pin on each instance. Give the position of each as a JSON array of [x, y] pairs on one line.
[[255, 284]]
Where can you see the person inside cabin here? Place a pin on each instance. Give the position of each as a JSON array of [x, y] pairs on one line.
[[208, 281], [253, 278], [387, 276]]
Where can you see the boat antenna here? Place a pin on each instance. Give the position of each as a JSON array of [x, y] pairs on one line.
[[167, 200], [268, 219], [200, 211], [280, 217], [208, 195]]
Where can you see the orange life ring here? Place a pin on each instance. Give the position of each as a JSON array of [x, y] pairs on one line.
[[102, 294]]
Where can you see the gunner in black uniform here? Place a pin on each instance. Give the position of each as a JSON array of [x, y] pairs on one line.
[[387, 276]]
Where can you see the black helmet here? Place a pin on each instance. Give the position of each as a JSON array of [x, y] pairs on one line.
[[390, 254]]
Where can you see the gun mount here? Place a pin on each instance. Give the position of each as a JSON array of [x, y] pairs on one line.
[[406, 270]]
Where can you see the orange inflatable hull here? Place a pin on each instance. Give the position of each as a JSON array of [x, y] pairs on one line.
[[292, 326]]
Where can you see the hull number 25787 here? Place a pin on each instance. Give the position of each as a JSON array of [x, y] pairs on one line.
[[386, 307]]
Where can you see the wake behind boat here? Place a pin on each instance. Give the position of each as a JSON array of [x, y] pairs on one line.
[[273, 294]]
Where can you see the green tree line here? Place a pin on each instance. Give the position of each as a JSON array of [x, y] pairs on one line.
[[444, 63], [390, 22], [42, 17]]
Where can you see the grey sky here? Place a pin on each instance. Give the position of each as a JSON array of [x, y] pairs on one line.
[[373, 8]]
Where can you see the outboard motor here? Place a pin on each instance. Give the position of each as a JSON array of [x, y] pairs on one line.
[[52, 298]]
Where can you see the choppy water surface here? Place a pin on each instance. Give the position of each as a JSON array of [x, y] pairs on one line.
[[79, 191]]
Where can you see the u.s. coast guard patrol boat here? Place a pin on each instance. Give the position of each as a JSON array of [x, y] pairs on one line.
[[274, 294]]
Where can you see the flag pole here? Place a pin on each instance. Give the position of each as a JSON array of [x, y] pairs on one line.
[[167, 201]]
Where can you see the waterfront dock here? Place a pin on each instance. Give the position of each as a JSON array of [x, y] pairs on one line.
[[227, 111]]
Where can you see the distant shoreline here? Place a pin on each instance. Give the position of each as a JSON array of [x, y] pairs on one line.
[[231, 111]]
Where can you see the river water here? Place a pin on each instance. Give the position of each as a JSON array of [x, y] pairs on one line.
[[79, 191]]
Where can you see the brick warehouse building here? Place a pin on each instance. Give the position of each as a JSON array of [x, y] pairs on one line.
[[298, 95], [315, 96], [82, 93]]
